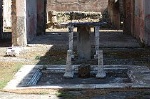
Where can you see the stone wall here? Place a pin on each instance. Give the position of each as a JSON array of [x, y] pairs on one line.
[[142, 21], [77, 5], [137, 19]]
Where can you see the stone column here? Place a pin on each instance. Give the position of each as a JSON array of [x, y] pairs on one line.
[[7, 13], [19, 35], [71, 39], [69, 70], [96, 40], [101, 73], [83, 43], [13, 17]]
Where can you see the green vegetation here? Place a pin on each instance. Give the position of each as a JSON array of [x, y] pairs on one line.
[[7, 71], [65, 95]]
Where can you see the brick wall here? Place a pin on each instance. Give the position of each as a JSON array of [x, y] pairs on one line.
[[77, 5]]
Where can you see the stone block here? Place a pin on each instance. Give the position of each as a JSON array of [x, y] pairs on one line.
[[84, 71], [13, 51]]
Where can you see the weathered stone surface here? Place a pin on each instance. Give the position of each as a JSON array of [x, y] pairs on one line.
[[84, 44], [84, 71], [24, 17], [14, 17], [7, 13], [20, 31], [101, 73], [19, 35], [13, 51], [77, 5], [96, 29], [69, 73], [70, 28]]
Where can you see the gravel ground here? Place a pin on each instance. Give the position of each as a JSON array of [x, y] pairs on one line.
[[26, 96]]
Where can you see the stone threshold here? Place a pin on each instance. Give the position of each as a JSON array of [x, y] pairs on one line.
[[28, 76]]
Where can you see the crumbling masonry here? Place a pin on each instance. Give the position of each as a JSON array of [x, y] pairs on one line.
[[29, 16]]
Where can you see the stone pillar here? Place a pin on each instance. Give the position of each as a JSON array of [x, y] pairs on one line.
[[69, 70], [83, 43], [101, 73], [7, 13], [71, 39], [19, 35], [96, 40], [14, 17], [41, 17], [1, 18]]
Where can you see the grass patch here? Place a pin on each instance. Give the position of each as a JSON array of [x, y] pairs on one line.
[[7, 71], [65, 95]]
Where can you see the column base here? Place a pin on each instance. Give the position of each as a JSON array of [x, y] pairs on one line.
[[68, 75], [101, 74]]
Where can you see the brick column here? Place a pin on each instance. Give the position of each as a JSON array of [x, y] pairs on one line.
[[83, 42], [19, 35]]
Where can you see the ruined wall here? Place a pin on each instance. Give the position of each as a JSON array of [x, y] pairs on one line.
[[31, 19], [77, 5]]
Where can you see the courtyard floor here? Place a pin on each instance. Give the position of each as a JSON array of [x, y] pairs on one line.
[[50, 49]]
